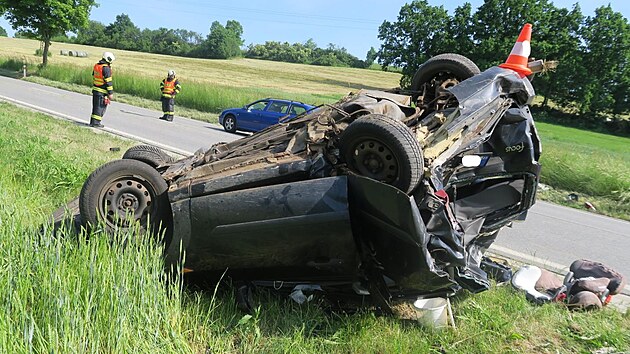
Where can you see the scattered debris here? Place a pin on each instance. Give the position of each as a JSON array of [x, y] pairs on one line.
[[573, 197], [589, 206], [588, 285], [497, 269], [304, 292]]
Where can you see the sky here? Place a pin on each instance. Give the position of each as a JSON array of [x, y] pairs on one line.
[[352, 24]]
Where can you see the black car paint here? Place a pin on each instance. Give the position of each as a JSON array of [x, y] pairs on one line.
[[297, 221], [276, 224]]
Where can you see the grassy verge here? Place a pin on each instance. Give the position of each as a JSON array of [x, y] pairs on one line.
[[195, 95], [238, 73], [80, 294], [593, 165], [208, 85]]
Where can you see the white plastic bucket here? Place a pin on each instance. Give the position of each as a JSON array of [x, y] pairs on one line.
[[432, 312]]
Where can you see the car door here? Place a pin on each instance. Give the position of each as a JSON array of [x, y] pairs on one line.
[[285, 231], [275, 111], [251, 118]]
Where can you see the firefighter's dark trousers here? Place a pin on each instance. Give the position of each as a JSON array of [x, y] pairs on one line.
[[98, 106], [168, 107]]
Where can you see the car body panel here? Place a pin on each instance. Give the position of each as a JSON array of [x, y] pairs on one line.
[[300, 228]]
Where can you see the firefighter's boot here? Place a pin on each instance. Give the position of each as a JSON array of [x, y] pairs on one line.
[[96, 123]]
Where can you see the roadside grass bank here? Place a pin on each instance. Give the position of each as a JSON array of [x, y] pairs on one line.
[[238, 73], [195, 95], [594, 166], [87, 294], [208, 85]]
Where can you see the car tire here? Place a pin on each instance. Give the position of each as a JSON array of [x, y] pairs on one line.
[[122, 187], [148, 154], [448, 66], [384, 149], [229, 123]]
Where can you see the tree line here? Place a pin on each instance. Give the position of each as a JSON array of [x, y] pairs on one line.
[[308, 53], [593, 76], [222, 42]]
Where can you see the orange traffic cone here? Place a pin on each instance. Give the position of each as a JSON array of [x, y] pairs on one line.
[[517, 60]]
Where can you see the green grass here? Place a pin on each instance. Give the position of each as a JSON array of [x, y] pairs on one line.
[[195, 95], [208, 85], [594, 165], [86, 294]]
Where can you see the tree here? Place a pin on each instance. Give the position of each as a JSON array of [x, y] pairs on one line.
[[418, 34], [45, 19], [92, 34], [561, 43], [460, 31], [234, 38], [123, 34], [606, 38], [3, 32], [370, 57], [223, 42]]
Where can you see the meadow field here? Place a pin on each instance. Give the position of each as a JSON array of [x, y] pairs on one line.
[[87, 294], [596, 166], [229, 83]]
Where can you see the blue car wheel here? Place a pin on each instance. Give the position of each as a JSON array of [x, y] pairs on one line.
[[229, 123]]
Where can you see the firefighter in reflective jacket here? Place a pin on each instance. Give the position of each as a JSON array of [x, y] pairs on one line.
[[102, 89], [170, 87]]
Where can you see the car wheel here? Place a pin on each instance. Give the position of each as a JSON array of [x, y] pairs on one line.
[[229, 123], [442, 71], [148, 154], [122, 193], [384, 149]]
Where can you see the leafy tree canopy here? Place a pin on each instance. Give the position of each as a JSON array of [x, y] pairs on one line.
[[223, 42], [45, 19], [594, 52]]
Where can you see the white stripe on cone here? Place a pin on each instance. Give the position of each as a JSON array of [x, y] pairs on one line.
[[522, 49]]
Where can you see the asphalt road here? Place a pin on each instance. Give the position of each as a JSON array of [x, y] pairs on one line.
[[182, 136], [553, 236]]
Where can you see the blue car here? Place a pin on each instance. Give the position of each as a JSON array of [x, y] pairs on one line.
[[260, 114]]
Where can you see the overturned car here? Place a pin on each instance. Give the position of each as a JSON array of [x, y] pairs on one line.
[[390, 194]]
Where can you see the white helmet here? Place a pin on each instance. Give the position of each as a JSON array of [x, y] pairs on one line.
[[109, 57], [171, 73]]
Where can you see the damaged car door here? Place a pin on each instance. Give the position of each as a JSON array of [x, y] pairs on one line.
[[298, 230]]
